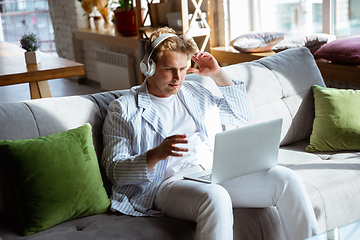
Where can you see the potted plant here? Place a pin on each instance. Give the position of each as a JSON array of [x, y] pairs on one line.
[[125, 17], [31, 43]]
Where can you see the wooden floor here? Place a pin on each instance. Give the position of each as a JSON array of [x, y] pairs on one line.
[[58, 88]]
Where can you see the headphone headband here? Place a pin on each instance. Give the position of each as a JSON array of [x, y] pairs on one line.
[[145, 65]]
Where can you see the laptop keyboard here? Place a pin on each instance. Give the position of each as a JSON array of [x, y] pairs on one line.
[[206, 177]]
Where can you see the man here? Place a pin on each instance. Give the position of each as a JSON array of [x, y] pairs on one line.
[[165, 128]]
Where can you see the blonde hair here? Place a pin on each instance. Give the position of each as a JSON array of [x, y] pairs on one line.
[[180, 43]]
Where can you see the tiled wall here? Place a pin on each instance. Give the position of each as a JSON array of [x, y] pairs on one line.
[[64, 18]]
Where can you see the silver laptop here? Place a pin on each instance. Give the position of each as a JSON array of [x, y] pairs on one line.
[[241, 151]]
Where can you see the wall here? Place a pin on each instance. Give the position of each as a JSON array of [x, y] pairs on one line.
[[64, 19], [67, 16], [90, 59]]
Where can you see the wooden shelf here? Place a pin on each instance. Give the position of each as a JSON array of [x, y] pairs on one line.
[[199, 32], [150, 29], [205, 31], [107, 37], [338, 72], [194, 32], [231, 56]]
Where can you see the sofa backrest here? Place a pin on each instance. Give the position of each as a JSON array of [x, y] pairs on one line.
[[279, 86]]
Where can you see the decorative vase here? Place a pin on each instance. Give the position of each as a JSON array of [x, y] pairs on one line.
[[32, 57], [98, 22], [125, 22]]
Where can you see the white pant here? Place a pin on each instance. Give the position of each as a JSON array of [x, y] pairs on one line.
[[210, 205]]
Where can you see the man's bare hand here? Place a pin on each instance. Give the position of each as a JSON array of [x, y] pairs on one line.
[[208, 66], [166, 149]]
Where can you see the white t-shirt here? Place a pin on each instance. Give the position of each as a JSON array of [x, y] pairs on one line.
[[177, 120]]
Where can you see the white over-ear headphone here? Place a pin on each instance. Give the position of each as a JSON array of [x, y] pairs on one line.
[[147, 65]]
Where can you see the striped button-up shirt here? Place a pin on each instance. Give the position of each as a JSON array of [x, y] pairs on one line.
[[132, 127]]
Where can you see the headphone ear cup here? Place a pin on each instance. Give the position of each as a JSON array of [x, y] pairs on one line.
[[144, 68], [147, 65], [152, 68]]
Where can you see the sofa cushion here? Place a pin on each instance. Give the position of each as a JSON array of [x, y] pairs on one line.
[[330, 178], [17, 122], [57, 178], [249, 223], [336, 124]]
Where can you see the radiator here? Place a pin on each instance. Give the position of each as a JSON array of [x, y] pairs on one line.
[[115, 70]]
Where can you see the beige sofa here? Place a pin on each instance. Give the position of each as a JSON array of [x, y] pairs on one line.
[[278, 86]]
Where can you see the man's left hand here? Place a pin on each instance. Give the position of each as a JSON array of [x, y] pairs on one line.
[[208, 66]]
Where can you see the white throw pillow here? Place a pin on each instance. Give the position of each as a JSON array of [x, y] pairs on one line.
[[257, 41]]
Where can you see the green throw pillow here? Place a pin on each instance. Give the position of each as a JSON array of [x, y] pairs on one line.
[[56, 177], [336, 125]]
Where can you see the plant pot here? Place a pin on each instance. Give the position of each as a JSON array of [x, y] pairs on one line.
[[32, 57], [125, 22]]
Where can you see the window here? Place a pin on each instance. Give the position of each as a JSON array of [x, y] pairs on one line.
[[18, 17], [295, 17], [349, 23]]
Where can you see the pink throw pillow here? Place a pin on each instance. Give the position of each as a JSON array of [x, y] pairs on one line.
[[345, 50]]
